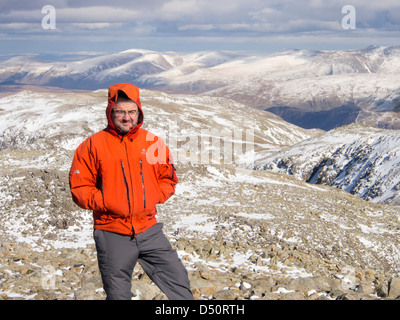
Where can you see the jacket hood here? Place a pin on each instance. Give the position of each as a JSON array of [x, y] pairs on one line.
[[133, 93]]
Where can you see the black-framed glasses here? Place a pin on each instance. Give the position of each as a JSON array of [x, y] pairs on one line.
[[121, 113]]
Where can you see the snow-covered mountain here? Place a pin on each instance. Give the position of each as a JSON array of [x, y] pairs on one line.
[[195, 126], [323, 89], [224, 219], [361, 160]]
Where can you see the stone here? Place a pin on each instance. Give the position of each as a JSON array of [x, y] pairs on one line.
[[225, 295], [319, 284], [205, 275], [261, 287], [199, 283], [208, 291], [382, 290], [144, 291], [394, 288], [353, 296], [293, 296], [365, 288], [270, 296], [196, 293]]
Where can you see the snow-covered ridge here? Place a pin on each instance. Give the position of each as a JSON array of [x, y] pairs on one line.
[[313, 81], [190, 124], [361, 160]]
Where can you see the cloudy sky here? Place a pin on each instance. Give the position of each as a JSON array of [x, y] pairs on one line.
[[106, 26]]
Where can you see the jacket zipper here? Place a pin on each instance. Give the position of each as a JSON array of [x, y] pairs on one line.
[[172, 169], [126, 185], [144, 192]]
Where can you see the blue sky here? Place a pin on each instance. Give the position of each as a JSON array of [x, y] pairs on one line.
[[104, 26]]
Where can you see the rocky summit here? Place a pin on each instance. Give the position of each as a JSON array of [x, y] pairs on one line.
[[241, 233]]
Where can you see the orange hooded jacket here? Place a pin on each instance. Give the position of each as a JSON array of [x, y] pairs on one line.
[[122, 178]]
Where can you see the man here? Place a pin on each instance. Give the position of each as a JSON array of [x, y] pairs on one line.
[[122, 173]]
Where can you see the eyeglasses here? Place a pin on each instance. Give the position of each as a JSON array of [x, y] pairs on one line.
[[122, 113]]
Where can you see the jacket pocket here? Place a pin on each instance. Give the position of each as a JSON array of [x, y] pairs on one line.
[[150, 189], [115, 188], [126, 185]]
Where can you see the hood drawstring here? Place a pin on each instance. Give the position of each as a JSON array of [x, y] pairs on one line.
[[122, 138]]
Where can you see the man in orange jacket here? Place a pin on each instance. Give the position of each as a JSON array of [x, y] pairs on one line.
[[121, 173]]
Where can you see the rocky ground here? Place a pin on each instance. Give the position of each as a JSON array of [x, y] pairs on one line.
[[228, 256], [72, 274]]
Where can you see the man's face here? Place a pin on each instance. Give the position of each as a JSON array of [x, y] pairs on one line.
[[125, 116]]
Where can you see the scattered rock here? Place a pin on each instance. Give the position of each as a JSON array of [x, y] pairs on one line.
[[72, 274]]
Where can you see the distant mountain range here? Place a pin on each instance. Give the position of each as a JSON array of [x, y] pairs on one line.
[[312, 89]]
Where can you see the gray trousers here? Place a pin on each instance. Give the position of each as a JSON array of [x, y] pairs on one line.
[[117, 256]]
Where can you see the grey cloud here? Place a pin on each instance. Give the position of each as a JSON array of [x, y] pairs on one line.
[[280, 14], [225, 19]]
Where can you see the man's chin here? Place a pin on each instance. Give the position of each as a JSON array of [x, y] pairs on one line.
[[124, 130]]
